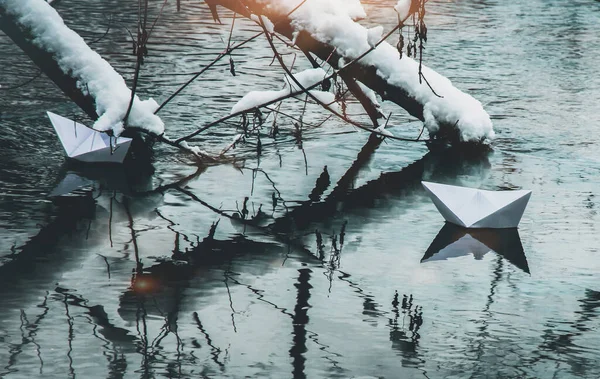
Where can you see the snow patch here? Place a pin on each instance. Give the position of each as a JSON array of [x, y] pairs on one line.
[[194, 149], [403, 8], [306, 78], [352, 9], [383, 132], [369, 93], [374, 35], [265, 20]]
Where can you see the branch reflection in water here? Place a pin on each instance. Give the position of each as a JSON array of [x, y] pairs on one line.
[[404, 334], [159, 286]]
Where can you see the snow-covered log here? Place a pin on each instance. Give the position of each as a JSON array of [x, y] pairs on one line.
[[82, 74], [329, 30], [44, 60]]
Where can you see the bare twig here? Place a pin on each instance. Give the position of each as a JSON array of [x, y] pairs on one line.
[[140, 50], [22, 84], [217, 59]]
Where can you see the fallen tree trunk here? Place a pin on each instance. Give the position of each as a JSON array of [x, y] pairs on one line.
[[78, 70], [46, 62]]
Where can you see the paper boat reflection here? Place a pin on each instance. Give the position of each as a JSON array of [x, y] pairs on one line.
[[70, 183], [453, 241], [475, 208], [87, 145], [125, 179]]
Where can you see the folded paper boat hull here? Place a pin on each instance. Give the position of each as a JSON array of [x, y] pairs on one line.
[[105, 155], [87, 145], [475, 208]]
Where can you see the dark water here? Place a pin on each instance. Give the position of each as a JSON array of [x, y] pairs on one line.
[[129, 277]]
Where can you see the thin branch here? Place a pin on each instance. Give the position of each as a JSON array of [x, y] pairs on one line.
[[22, 84], [217, 59], [141, 43], [156, 19], [110, 19]]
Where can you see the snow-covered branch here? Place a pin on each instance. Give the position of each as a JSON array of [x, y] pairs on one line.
[[328, 29], [42, 34]]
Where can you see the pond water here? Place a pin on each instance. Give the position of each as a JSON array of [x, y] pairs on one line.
[[288, 265]]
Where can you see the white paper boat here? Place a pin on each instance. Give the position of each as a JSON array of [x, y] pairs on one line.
[[475, 208], [87, 145]]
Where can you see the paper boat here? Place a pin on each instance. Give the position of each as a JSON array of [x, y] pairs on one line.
[[87, 145], [453, 241], [475, 208]]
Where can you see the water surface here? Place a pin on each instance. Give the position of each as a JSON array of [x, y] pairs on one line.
[[288, 265]]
